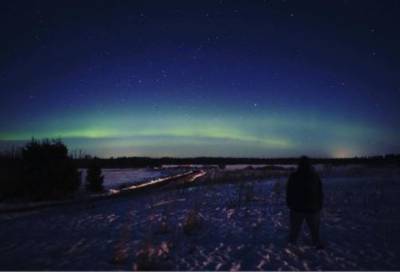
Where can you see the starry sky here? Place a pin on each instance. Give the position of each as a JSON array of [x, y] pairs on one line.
[[202, 78]]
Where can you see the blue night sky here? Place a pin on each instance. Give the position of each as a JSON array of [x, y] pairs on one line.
[[202, 78]]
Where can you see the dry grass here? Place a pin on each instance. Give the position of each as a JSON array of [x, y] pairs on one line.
[[152, 257]]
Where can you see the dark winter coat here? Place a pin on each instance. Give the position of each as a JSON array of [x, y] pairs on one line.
[[304, 191]]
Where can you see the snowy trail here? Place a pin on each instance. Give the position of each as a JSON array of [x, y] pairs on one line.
[[360, 225]]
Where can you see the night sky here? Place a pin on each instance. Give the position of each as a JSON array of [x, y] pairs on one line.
[[202, 78]]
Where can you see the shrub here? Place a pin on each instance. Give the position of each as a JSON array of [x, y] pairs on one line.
[[277, 188], [163, 227], [94, 178], [192, 222], [244, 193], [47, 170]]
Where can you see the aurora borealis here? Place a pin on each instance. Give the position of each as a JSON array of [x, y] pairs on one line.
[[202, 78]]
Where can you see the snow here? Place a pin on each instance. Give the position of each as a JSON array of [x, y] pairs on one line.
[[233, 226]]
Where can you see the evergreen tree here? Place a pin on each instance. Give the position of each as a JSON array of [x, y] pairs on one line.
[[94, 178], [47, 170]]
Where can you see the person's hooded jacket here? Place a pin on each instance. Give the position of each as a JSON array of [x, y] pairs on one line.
[[304, 190]]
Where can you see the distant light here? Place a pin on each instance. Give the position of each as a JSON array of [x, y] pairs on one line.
[[342, 153]]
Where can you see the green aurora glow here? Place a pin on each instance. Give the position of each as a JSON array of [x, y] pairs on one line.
[[217, 134]]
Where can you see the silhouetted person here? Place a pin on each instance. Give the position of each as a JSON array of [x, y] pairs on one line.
[[304, 198]]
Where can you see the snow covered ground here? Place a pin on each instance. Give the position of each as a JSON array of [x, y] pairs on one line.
[[239, 226]]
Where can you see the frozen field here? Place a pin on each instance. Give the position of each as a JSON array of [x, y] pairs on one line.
[[114, 178], [241, 226]]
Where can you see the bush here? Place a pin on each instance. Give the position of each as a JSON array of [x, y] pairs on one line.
[[47, 170], [10, 177], [94, 179], [192, 222], [244, 193]]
